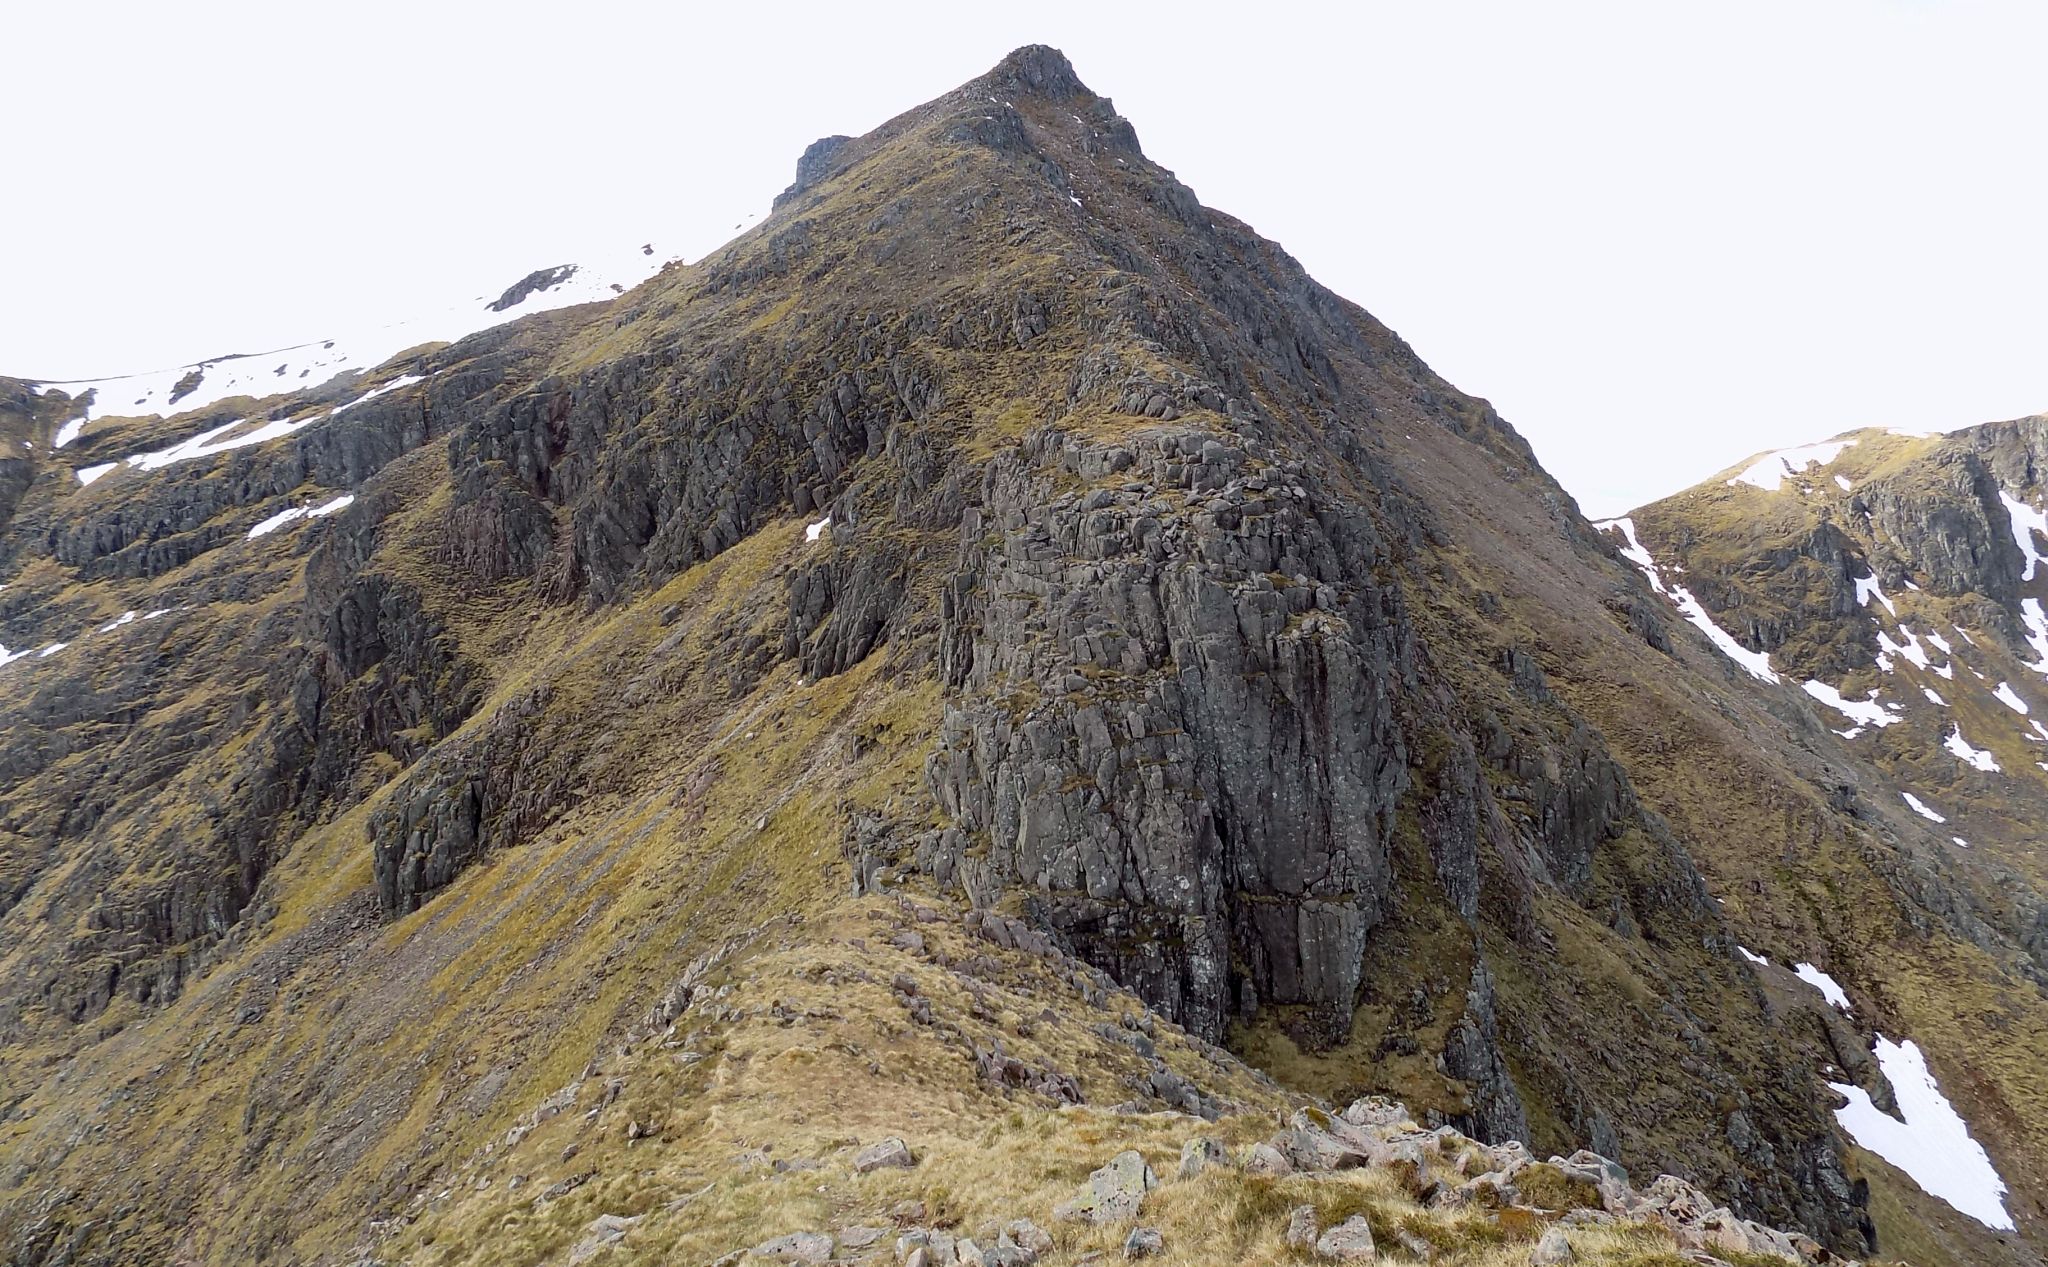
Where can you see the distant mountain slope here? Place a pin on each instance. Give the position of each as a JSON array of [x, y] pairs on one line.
[[1893, 580], [571, 773]]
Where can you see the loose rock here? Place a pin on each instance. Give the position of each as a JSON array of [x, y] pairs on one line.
[[1348, 1242], [1200, 1153], [1552, 1250], [1113, 1193], [797, 1247], [889, 1153], [1302, 1228]]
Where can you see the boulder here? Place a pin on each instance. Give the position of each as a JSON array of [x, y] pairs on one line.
[[1317, 1151], [796, 1247], [1112, 1194], [1144, 1242], [1609, 1177], [1264, 1159], [1200, 1153], [1348, 1242], [891, 1153], [1302, 1227], [1552, 1250], [1376, 1110]]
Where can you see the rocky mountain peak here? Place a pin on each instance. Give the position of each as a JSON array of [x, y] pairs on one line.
[[1034, 70]]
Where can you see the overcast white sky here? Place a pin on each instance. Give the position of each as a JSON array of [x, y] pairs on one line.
[[1658, 236]]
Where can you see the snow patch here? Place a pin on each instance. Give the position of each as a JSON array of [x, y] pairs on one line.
[[813, 531], [283, 517], [2026, 521], [1928, 1140], [123, 619], [1910, 649], [1933, 698], [1757, 663], [2006, 696], [1960, 841], [2037, 632], [88, 474], [1751, 955], [302, 365], [1843, 482], [209, 442], [1769, 471], [1867, 587], [403, 380], [1829, 988], [1920, 808], [1634, 553], [1968, 755], [1867, 712], [276, 521]]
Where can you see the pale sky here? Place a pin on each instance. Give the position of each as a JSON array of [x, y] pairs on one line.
[[1658, 236]]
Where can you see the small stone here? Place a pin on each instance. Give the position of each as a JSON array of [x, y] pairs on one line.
[[1302, 1227], [906, 1213], [858, 1237], [919, 1256], [889, 1153], [1143, 1242], [1553, 1250], [1348, 1242], [1418, 1249], [797, 1247], [1200, 1153]]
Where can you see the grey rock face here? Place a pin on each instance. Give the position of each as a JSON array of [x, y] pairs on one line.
[[1472, 1054], [1212, 761]]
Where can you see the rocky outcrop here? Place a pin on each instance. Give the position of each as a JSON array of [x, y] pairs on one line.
[[813, 165], [1177, 720]]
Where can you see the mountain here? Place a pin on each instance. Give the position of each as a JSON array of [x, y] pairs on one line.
[[993, 679], [1892, 579]]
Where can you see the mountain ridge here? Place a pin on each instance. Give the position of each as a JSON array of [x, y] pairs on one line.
[[993, 526]]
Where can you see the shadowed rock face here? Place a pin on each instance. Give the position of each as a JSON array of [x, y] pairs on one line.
[[1246, 661]]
